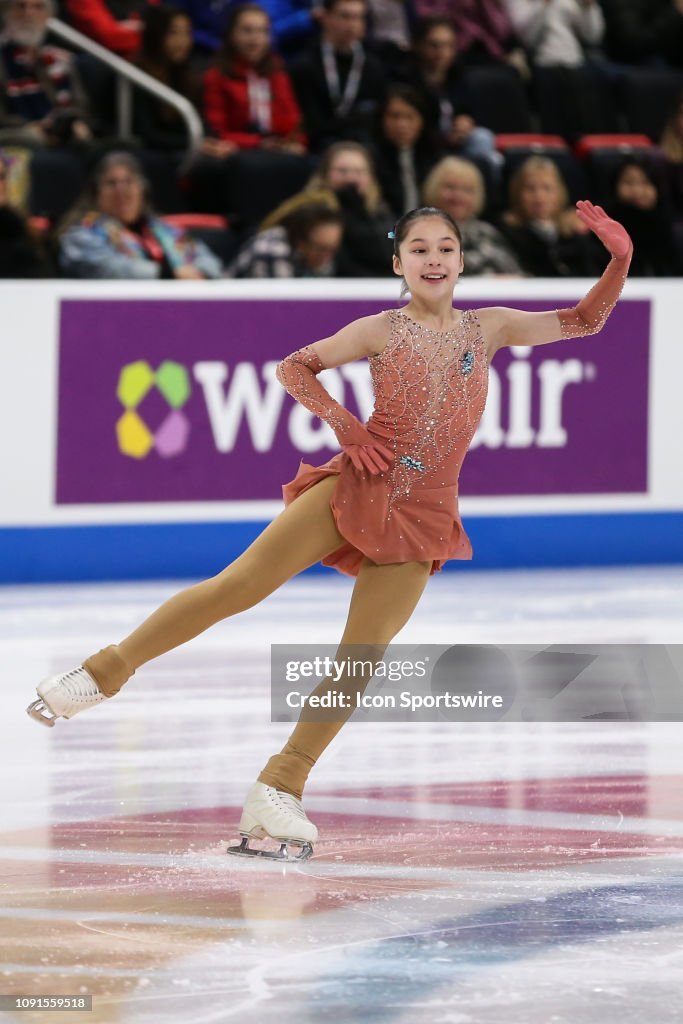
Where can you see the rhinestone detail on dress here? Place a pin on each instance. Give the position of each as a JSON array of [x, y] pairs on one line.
[[430, 390]]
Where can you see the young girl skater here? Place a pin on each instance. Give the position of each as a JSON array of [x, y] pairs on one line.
[[384, 510]]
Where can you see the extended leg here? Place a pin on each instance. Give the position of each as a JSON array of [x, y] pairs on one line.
[[300, 536]]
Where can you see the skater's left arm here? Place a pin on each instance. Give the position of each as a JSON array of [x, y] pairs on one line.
[[502, 326]]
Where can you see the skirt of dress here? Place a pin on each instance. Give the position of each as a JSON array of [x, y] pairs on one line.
[[424, 526]]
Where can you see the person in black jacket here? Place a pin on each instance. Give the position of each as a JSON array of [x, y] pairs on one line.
[[436, 71], [20, 254], [166, 49], [337, 82], [637, 201], [405, 149], [545, 234], [644, 31]]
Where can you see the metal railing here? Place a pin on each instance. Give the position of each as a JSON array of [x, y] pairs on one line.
[[128, 75]]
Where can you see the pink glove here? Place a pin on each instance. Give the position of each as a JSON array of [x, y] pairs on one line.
[[613, 236], [363, 449], [298, 375], [590, 315]]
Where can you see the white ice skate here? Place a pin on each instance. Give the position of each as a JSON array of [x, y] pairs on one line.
[[63, 696], [268, 812]]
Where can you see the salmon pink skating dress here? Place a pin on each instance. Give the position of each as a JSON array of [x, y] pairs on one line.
[[430, 390]]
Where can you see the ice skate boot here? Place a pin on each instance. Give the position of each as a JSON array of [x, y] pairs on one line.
[[269, 812], [63, 696]]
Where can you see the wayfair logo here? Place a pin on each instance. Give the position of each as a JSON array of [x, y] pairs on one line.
[[136, 381]]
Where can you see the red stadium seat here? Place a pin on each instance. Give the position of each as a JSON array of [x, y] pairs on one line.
[[194, 221], [531, 141], [624, 143]]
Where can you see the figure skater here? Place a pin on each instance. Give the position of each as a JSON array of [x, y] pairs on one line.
[[384, 510]]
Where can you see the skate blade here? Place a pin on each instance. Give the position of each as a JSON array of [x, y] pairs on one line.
[[283, 854], [36, 710]]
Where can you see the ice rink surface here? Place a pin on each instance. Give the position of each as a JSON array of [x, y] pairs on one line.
[[466, 874]]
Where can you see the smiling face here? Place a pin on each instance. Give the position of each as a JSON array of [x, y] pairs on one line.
[[430, 258]]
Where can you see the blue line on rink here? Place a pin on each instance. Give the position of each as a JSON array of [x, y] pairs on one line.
[[194, 550], [429, 963]]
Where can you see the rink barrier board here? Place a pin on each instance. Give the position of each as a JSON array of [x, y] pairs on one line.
[[50, 532], [195, 550]]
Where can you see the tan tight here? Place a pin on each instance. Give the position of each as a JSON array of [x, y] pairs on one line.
[[383, 600]]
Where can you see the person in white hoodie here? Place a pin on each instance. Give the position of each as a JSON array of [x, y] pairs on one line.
[[554, 32]]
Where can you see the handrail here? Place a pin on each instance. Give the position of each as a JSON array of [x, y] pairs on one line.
[[128, 73]]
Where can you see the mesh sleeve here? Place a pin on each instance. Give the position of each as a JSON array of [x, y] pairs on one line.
[[591, 314], [298, 376]]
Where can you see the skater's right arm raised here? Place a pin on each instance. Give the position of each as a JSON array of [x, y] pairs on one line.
[[298, 375]]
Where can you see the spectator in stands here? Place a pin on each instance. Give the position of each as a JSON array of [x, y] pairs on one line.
[[248, 98], [165, 55], [115, 24], [543, 231], [291, 21], [390, 21], [21, 254], [304, 244], [345, 180], [644, 31], [338, 83], [484, 28], [457, 187], [436, 71], [571, 95], [637, 201], [113, 233], [404, 149], [41, 99], [555, 32], [672, 146]]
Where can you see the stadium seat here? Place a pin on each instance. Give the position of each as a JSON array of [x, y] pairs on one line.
[[574, 101], [648, 95], [499, 99], [518, 148]]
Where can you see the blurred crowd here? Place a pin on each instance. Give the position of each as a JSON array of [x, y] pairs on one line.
[[324, 121]]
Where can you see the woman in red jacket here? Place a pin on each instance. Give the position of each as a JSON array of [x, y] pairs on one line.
[[248, 97]]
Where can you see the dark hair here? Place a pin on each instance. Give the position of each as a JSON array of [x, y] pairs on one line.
[[426, 145], [644, 165], [329, 5], [227, 56], [157, 23], [403, 223], [408, 94], [301, 221], [424, 26]]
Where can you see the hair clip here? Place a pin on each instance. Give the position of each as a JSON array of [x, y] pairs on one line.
[[391, 234]]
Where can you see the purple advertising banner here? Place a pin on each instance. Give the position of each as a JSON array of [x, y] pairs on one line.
[[178, 401]]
